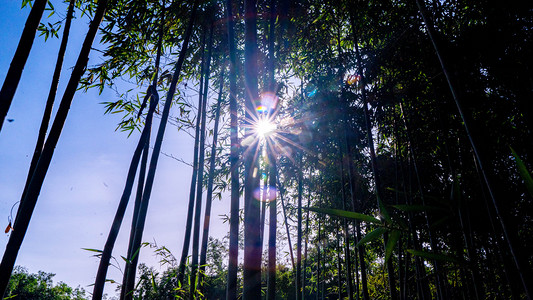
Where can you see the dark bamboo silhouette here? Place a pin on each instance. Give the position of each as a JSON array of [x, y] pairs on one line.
[[209, 196], [141, 208], [438, 269], [128, 280], [273, 221], [370, 142], [339, 259], [200, 183], [45, 122], [528, 287], [285, 220], [106, 255], [298, 277], [319, 275], [304, 277], [263, 209], [192, 191], [124, 199], [347, 253], [231, 291], [18, 62], [34, 188], [252, 249]]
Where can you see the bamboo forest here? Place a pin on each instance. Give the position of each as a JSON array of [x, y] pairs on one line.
[[348, 149]]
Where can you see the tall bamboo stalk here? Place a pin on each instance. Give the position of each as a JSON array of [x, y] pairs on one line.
[[141, 208], [106, 255], [252, 254], [209, 196], [345, 228], [123, 203], [200, 183], [273, 221], [439, 281], [528, 286], [304, 273], [298, 276], [231, 291], [285, 220], [19, 59], [194, 178], [370, 142], [45, 122], [34, 188], [272, 230]]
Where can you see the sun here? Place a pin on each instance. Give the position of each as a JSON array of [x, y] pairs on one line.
[[263, 127]]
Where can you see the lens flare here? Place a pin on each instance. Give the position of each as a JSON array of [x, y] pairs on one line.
[[261, 109], [269, 101], [264, 127]]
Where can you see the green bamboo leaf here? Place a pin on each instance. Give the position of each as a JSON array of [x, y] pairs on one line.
[[524, 173], [92, 250], [394, 236], [373, 235], [345, 214], [432, 256]]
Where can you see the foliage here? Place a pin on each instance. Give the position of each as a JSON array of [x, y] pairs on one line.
[[40, 286]]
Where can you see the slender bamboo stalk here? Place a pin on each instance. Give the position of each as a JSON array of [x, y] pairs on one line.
[[319, 259], [304, 273], [289, 240], [19, 59], [104, 261], [45, 122], [339, 260], [263, 209], [345, 227], [34, 188], [231, 291], [192, 190], [299, 236], [126, 291], [209, 197], [370, 142], [439, 281], [139, 213], [528, 287], [200, 183], [273, 221], [252, 254], [140, 208], [121, 209]]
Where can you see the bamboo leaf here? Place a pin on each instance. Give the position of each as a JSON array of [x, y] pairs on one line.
[[92, 250], [394, 236], [345, 214], [524, 173], [371, 236], [432, 256]]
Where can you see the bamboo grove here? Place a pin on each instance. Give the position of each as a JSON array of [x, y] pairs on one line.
[[365, 149]]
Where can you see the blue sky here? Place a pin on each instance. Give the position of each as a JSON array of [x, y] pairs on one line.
[[87, 174]]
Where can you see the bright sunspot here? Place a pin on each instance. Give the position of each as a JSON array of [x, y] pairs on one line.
[[264, 127]]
